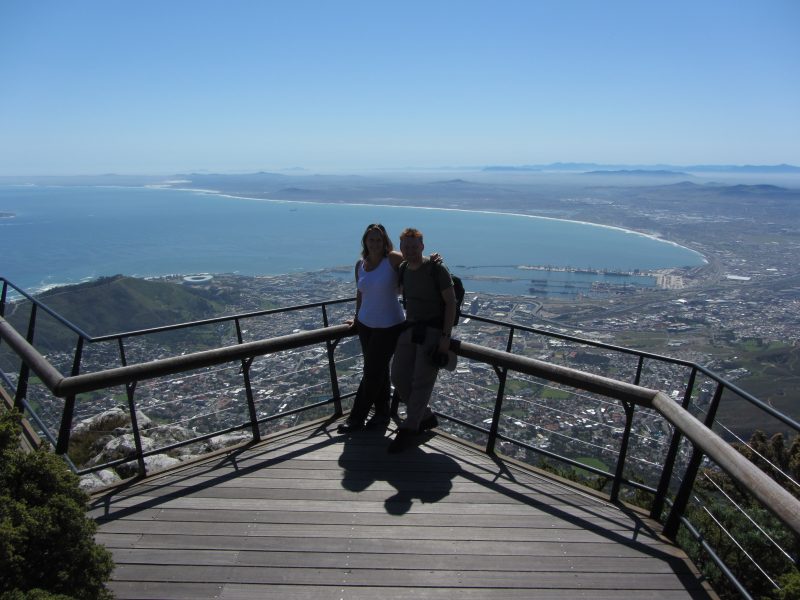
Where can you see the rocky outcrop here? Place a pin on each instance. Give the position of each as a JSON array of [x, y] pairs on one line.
[[108, 422], [109, 437], [121, 447]]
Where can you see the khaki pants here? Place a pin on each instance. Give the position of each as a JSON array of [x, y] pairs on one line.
[[414, 374]]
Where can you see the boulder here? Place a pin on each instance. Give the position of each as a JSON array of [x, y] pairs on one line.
[[228, 439], [166, 435], [121, 447], [106, 422], [99, 479], [156, 462]]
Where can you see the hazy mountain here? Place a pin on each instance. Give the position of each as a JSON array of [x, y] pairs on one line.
[[640, 173], [595, 167]]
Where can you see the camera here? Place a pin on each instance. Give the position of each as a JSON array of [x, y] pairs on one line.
[[439, 359]]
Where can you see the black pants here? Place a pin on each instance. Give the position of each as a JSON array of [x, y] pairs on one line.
[[377, 345]]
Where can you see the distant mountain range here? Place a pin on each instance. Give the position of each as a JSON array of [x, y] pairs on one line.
[[639, 169], [640, 173], [248, 182]]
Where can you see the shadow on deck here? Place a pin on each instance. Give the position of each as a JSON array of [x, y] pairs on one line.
[[313, 514]]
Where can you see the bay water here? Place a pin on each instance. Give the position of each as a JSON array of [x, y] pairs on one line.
[[60, 235]]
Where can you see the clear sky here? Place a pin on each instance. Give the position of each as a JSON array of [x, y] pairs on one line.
[[168, 86]]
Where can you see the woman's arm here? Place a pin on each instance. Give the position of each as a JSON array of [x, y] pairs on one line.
[[352, 322]]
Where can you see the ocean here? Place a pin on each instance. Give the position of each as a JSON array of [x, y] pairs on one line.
[[61, 235]]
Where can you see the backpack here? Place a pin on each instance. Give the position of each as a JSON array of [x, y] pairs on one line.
[[458, 286]]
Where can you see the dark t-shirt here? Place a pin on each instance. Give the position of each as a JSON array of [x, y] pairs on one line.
[[423, 288]]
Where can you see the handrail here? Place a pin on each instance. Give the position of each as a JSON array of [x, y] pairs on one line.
[[785, 506], [30, 356]]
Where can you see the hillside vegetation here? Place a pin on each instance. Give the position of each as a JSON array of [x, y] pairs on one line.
[[112, 305]]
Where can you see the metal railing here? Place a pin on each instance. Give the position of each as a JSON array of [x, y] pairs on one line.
[[704, 443]]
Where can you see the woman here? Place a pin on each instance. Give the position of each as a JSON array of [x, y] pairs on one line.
[[380, 320]]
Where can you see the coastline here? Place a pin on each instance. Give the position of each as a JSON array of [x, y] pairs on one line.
[[652, 236]]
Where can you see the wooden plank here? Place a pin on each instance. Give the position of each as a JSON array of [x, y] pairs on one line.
[[397, 578], [618, 522], [465, 532], [429, 495], [599, 564], [387, 545], [288, 592], [317, 505], [376, 480]]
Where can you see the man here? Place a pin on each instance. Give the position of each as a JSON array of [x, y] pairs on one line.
[[423, 347]]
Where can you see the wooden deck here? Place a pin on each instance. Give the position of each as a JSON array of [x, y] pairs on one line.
[[311, 514]]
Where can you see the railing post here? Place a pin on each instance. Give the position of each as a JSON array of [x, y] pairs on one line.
[[69, 404], [24, 370], [130, 391], [3, 306], [672, 453], [623, 451], [498, 404], [682, 497], [3, 299], [330, 347], [638, 377], [626, 437], [251, 405]]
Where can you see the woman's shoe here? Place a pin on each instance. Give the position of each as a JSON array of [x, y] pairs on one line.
[[348, 427]]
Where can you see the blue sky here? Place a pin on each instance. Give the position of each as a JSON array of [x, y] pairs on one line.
[[98, 86]]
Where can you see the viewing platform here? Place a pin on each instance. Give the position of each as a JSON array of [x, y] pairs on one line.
[[313, 514]]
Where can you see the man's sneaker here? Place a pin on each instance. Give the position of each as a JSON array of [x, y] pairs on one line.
[[349, 427], [402, 440], [429, 423]]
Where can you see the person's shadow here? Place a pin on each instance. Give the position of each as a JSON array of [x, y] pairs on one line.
[[414, 473]]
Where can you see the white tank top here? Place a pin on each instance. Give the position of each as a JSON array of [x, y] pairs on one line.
[[380, 306]]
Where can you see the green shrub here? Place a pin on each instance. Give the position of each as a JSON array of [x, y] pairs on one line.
[[47, 545], [35, 594]]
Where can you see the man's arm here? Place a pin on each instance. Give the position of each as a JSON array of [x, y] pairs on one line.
[[449, 297]]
